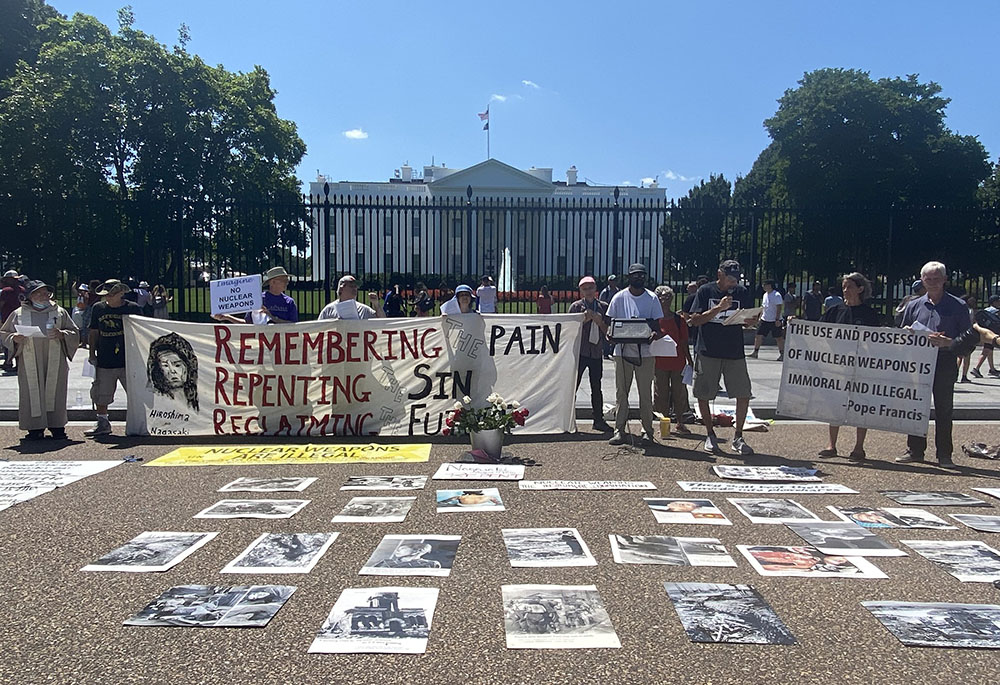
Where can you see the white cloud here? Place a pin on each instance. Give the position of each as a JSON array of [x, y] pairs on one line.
[[355, 134], [625, 183], [498, 98], [646, 181], [530, 84], [671, 175]]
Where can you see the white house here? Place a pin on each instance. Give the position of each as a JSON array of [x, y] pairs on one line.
[[515, 224]]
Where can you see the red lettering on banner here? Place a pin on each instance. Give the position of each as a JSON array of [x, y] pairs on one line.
[[222, 335], [221, 376], [352, 342], [333, 340], [370, 338], [268, 342], [291, 343], [245, 347]]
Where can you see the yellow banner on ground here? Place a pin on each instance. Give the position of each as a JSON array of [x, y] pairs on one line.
[[242, 455]]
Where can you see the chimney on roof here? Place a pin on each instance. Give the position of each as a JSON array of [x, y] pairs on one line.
[[571, 176]]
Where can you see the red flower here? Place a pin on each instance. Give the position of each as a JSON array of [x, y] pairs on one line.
[[449, 421], [446, 431], [524, 412], [518, 418]]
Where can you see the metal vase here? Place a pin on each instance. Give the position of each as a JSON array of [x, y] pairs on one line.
[[489, 441]]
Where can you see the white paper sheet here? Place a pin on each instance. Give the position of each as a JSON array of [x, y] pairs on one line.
[[29, 331]]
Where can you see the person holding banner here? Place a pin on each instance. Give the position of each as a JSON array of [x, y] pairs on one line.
[[276, 306], [107, 350], [939, 312], [854, 311], [346, 306], [720, 352], [463, 302]]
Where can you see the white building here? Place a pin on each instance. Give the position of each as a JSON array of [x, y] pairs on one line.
[[515, 225]]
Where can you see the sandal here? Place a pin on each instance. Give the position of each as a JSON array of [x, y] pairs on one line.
[[857, 455], [828, 453]]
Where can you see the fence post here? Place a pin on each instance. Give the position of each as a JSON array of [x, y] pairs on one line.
[[327, 257], [753, 248], [889, 280], [182, 270], [470, 231], [614, 232]]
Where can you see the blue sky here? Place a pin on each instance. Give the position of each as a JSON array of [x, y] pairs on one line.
[[625, 91]]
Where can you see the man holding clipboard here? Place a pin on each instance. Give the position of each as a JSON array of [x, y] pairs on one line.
[[722, 309]]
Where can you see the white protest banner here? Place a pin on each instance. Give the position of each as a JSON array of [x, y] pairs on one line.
[[375, 377], [236, 295], [857, 376], [769, 488]]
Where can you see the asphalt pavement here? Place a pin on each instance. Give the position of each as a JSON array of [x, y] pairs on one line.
[[60, 625]]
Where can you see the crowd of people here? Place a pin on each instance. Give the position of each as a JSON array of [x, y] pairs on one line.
[[39, 338]]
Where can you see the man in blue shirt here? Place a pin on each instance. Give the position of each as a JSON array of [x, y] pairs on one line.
[[943, 313]]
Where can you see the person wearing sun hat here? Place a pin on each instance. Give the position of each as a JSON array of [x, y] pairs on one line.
[[43, 361], [107, 349], [346, 306], [463, 302], [276, 306]]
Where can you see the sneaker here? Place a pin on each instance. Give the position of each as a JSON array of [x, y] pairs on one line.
[[965, 379], [753, 355], [102, 427], [857, 456], [828, 453], [994, 373], [712, 444], [602, 427], [910, 459], [648, 440], [976, 373], [946, 463], [617, 439], [740, 447], [781, 357]]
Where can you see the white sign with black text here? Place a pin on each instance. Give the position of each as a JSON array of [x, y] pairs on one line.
[[236, 295]]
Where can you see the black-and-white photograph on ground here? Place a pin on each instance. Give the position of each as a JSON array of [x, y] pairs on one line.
[[533, 547], [455, 471], [667, 510], [984, 524], [214, 606], [275, 484], [714, 612], [970, 561], [385, 483], [915, 498], [935, 624], [413, 555], [767, 510], [483, 499], [253, 509], [849, 539], [662, 549], [992, 492], [556, 617], [375, 510], [806, 562], [151, 552], [378, 620], [282, 553], [766, 473], [890, 517]]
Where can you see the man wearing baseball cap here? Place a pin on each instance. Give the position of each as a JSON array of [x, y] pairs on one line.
[[346, 305], [720, 351], [486, 296], [595, 328], [635, 359], [107, 349]]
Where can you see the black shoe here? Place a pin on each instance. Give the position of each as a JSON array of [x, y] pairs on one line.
[[35, 434], [58, 433], [910, 459], [946, 463], [602, 427]]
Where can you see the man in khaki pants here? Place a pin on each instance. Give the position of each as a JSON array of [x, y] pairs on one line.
[[107, 349], [635, 360]]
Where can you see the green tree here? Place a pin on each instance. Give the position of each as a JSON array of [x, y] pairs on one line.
[[693, 232]]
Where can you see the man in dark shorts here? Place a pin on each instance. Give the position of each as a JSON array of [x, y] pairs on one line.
[[107, 349]]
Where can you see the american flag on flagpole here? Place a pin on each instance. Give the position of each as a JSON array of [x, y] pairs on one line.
[[485, 116]]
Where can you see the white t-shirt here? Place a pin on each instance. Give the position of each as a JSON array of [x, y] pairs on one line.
[[330, 311], [625, 305], [770, 303], [487, 297]]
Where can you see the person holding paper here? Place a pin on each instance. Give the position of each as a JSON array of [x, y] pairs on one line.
[[107, 350], [595, 328], [854, 311], [461, 303], [276, 306], [668, 383], [347, 307], [720, 352], [43, 337], [635, 359], [942, 313]]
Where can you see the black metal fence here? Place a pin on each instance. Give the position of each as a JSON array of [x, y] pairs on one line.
[[523, 244]]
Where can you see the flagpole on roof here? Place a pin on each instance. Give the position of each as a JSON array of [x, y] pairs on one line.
[[485, 116]]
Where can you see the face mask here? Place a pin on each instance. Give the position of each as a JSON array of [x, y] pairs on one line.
[[44, 305]]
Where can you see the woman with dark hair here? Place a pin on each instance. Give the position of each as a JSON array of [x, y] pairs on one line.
[[853, 311], [172, 367], [159, 300]]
